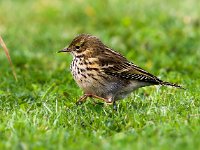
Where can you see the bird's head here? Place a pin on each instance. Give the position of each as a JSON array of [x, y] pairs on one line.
[[83, 44]]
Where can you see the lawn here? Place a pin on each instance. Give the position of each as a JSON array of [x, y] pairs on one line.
[[39, 111]]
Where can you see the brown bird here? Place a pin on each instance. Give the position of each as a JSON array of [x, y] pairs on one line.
[[105, 74]]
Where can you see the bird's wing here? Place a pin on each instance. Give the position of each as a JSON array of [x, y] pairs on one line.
[[114, 64]]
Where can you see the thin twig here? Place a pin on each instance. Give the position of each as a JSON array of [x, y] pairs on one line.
[[8, 57]]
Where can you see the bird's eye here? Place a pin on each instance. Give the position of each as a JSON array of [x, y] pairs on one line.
[[77, 47]]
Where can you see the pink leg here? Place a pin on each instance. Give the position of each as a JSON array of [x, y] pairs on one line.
[[82, 99], [85, 96]]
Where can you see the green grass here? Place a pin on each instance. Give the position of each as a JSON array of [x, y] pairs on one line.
[[39, 111]]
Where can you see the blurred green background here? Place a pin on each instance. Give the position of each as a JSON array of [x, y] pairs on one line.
[[39, 111]]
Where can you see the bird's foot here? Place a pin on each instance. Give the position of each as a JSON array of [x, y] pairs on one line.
[[85, 96]]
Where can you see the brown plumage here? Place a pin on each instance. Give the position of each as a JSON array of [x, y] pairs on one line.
[[104, 73]]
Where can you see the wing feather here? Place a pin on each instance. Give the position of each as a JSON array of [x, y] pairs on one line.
[[119, 66]]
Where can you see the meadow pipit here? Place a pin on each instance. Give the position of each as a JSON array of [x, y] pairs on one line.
[[104, 73]]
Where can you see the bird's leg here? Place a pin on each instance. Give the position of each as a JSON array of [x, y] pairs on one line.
[[108, 101], [85, 96], [101, 98], [81, 99]]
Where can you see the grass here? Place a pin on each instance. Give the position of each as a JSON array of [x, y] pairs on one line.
[[39, 111]]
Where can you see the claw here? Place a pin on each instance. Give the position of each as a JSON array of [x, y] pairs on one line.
[[79, 102], [114, 106]]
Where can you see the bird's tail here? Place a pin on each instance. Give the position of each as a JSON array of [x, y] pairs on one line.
[[171, 84]]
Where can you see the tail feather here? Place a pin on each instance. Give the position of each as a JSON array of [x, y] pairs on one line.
[[171, 84]]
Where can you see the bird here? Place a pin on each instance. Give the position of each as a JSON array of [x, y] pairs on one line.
[[105, 74]]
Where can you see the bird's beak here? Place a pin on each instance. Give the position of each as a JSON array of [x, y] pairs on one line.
[[64, 50]]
